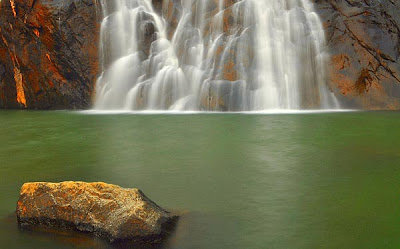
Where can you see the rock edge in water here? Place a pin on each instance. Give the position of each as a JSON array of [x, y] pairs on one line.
[[106, 210]]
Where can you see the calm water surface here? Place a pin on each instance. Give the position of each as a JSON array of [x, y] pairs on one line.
[[244, 181]]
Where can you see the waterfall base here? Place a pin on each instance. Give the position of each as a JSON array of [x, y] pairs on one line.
[[232, 56]]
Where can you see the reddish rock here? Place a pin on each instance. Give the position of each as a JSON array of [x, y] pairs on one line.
[[171, 11], [49, 50], [363, 40], [48, 53], [108, 211]]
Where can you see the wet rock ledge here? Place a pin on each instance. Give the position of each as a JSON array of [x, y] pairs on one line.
[[108, 211]]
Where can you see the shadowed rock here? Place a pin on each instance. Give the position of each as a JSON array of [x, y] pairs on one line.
[[108, 211], [364, 43]]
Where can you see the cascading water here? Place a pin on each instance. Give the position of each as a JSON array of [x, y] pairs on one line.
[[225, 55]]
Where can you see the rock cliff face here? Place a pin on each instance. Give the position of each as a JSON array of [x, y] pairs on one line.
[[364, 43], [48, 53], [363, 39]]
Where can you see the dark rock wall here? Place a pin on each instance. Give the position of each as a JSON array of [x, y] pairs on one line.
[[48, 53], [363, 39]]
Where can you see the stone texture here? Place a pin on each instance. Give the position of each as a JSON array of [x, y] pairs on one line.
[[108, 211], [364, 41], [48, 53], [171, 11], [363, 38], [223, 95]]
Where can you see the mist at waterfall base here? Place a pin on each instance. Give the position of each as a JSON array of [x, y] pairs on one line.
[[249, 55]]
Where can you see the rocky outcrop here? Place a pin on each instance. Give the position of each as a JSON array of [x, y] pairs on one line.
[[108, 211], [364, 43], [48, 53], [363, 40], [171, 11]]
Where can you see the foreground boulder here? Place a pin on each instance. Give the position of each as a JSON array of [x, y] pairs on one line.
[[109, 211]]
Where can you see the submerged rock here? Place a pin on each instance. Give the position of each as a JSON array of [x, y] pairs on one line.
[[108, 211]]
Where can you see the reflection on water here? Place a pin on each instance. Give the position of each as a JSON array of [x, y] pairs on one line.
[[243, 181]]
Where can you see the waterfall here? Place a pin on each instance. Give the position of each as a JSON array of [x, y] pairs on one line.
[[214, 55]]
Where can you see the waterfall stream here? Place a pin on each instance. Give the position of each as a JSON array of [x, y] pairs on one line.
[[214, 55]]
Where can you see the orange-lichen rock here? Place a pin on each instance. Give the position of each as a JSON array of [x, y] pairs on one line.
[[109, 211], [12, 3], [49, 56], [19, 86]]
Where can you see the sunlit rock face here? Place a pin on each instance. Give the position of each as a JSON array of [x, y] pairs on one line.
[[48, 53], [363, 40], [219, 55], [106, 210]]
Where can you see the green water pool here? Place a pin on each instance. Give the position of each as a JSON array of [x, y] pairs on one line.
[[311, 180]]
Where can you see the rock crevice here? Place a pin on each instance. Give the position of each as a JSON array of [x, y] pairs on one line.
[[363, 40], [53, 45]]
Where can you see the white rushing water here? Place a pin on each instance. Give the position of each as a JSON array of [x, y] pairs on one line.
[[213, 55]]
